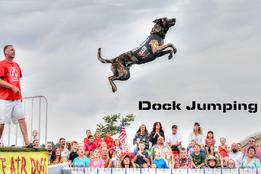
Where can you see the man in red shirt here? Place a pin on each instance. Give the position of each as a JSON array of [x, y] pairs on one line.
[[10, 93]]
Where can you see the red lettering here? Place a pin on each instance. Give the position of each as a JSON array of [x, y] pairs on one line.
[[23, 169], [12, 167], [33, 169], [17, 164], [3, 160]]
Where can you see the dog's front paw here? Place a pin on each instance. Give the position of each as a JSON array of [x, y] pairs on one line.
[[170, 56], [174, 50]]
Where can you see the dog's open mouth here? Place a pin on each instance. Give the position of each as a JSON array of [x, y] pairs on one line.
[[171, 22]]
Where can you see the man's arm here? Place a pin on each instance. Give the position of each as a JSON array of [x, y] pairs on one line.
[[8, 86]]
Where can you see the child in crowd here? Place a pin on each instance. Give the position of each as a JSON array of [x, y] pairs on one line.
[[90, 146], [183, 160], [97, 140], [159, 161], [212, 162], [141, 159], [126, 151], [109, 141], [170, 158], [81, 160], [116, 146], [223, 152], [231, 164], [115, 162], [210, 143], [97, 162], [73, 154], [197, 157], [191, 147]]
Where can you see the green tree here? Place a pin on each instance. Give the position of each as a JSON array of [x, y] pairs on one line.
[[114, 123]]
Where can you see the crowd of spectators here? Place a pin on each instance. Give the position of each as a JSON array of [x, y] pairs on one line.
[[156, 150]]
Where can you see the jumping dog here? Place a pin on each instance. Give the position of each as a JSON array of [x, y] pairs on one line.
[[152, 48]]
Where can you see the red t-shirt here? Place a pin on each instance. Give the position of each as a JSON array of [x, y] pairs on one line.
[[97, 142], [109, 142], [11, 73], [90, 147]]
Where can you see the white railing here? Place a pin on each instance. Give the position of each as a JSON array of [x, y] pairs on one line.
[[157, 171]]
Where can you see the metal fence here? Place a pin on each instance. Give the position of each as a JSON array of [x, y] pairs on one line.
[[157, 171], [36, 114]]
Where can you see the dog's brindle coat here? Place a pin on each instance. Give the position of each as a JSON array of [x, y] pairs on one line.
[[149, 50]]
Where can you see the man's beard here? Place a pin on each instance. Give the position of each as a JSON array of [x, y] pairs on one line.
[[234, 150]]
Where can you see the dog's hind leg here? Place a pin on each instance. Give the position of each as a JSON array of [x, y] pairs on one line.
[[120, 73]]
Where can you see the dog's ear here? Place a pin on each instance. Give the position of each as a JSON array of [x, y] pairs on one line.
[[156, 20]]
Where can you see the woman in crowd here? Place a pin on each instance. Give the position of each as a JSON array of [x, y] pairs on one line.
[[126, 162], [81, 160], [250, 160], [56, 156], [197, 135], [141, 135], [156, 132], [97, 162]]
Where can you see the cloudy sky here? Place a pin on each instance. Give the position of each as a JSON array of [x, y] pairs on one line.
[[218, 60]]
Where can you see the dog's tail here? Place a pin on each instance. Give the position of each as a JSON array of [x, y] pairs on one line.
[[102, 59]]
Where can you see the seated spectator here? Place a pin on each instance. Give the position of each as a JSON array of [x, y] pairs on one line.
[[36, 143], [64, 151], [49, 148], [236, 155], [159, 161], [174, 140], [90, 146], [96, 162], [88, 133], [210, 143], [126, 151], [141, 159], [35, 135], [250, 160], [56, 156], [198, 158], [97, 138], [105, 157], [252, 143], [183, 161], [231, 164], [109, 141], [103, 145], [160, 145], [81, 160], [223, 152], [126, 162], [116, 145], [170, 158], [141, 135], [73, 154], [156, 132], [212, 162], [197, 135], [191, 147], [115, 162]]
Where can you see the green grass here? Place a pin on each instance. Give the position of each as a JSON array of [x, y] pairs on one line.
[[21, 149]]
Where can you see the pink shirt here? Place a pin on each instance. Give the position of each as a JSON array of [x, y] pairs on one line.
[[100, 164], [210, 141]]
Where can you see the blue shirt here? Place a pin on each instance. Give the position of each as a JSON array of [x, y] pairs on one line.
[[81, 162], [160, 163]]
